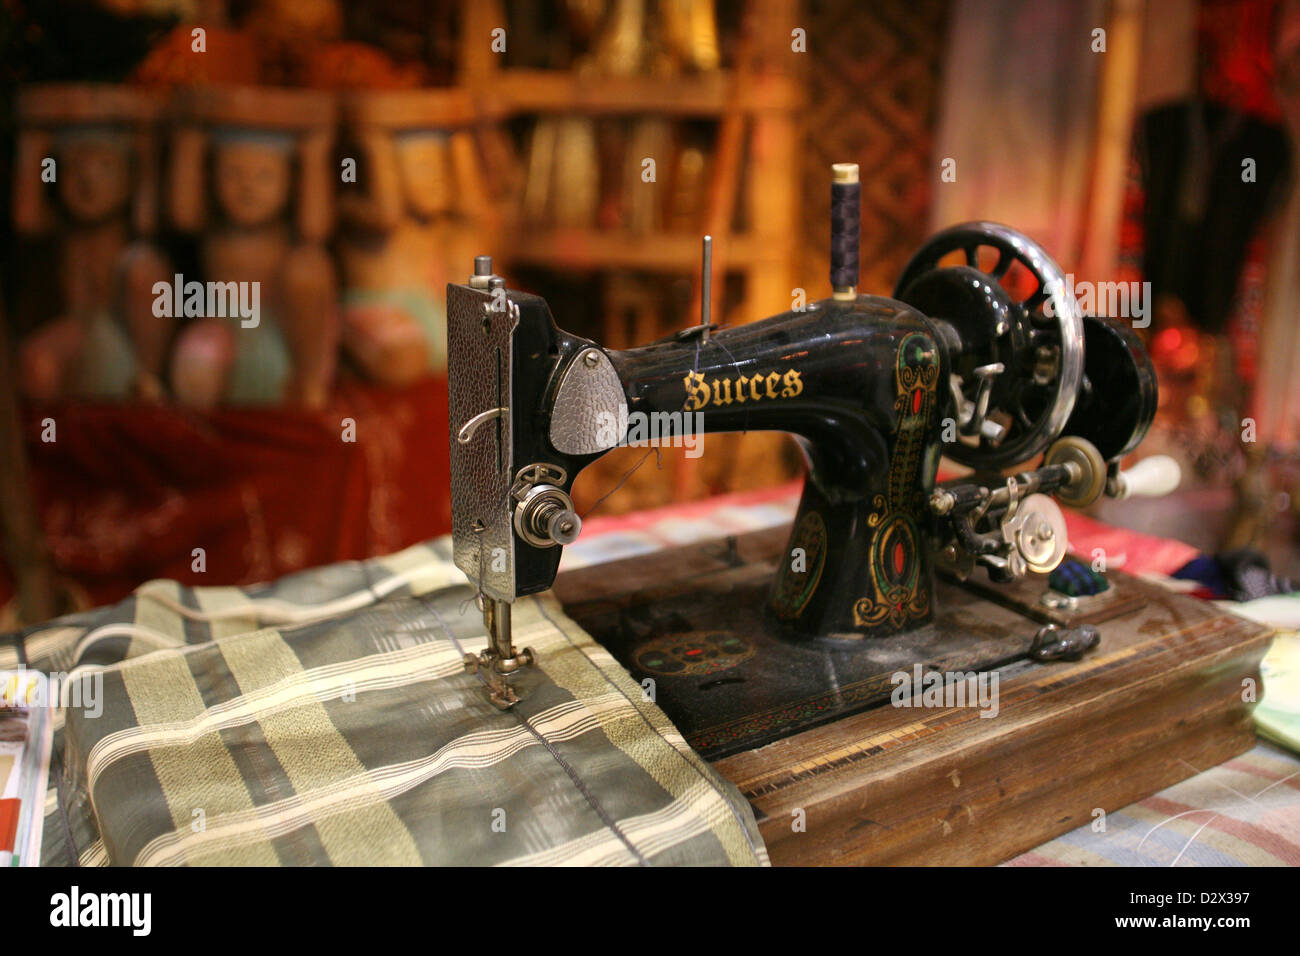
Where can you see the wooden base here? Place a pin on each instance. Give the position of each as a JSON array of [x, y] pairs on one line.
[[1160, 700]]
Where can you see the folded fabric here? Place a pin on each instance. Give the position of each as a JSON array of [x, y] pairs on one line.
[[348, 732]]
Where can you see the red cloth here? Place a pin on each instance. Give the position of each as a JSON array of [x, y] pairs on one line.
[[126, 492], [1236, 41], [1136, 553]]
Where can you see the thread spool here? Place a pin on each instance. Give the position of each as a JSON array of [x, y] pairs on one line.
[[846, 227]]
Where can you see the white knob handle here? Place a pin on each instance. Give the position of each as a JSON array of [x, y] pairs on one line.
[[1151, 477]]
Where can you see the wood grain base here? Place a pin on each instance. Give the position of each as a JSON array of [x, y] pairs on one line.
[[1098, 734], [1160, 700]]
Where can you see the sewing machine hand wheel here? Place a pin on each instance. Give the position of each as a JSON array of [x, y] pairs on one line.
[[1019, 363]]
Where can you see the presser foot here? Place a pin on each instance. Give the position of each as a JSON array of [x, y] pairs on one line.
[[494, 670], [500, 659]]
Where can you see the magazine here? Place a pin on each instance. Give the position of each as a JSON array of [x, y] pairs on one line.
[[26, 734]]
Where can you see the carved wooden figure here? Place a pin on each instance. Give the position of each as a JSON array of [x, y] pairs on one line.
[[86, 171], [251, 174], [403, 226]]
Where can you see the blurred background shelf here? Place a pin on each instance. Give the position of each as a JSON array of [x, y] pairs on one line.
[[722, 122], [616, 249], [536, 155], [715, 95]]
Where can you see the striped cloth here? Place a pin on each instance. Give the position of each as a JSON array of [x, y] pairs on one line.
[[328, 719]]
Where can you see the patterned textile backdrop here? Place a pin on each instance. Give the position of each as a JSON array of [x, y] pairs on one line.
[[873, 96]]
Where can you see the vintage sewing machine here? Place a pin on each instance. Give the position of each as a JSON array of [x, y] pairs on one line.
[[751, 646]]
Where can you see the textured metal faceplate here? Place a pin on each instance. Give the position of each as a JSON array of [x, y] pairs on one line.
[[478, 380], [590, 407]]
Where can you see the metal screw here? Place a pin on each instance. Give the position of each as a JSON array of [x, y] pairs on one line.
[[591, 359]]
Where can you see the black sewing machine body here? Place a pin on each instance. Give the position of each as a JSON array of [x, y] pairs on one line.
[[839, 669], [874, 389], [856, 382]]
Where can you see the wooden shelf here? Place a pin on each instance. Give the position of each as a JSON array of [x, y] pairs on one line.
[[714, 94], [757, 104], [452, 107], [617, 249]]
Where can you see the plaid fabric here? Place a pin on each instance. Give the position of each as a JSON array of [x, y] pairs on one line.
[[1245, 812], [359, 738]]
